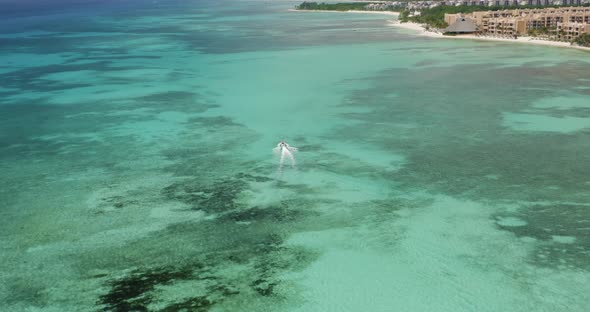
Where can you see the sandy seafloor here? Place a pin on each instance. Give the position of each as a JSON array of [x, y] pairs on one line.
[[433, 175]]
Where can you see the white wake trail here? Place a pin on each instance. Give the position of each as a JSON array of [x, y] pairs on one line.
[[289, 155], [286, 152]]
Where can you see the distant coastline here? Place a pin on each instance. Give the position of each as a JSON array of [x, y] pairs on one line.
[[348, 11], [420, 30]]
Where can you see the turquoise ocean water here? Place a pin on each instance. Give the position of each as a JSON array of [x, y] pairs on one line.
[[137, 171]]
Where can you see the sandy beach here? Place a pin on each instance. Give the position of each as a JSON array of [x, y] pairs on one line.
[[523, 39], [350, 11]]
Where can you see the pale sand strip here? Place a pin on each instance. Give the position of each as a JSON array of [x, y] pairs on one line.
[[528, 40], [351, 11]]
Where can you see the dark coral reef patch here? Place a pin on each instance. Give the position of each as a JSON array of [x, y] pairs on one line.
[[563, 230], [218, 197], [132, 293]]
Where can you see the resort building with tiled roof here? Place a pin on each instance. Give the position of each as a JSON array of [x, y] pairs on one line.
[[563, 23]]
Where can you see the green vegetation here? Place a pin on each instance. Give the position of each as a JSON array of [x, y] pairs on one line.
[[583, 40], [536, 32], [404, 16], [332, 6], [435, 17], [346, 6], [547, 32]]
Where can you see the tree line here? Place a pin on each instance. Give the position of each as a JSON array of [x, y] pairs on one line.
[[332, 6]]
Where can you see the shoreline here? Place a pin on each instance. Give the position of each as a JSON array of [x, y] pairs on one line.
[[523, 39], [421, 31], [391, 13]]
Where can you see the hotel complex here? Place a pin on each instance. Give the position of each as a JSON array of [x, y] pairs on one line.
[[419, 5], [564, 23]]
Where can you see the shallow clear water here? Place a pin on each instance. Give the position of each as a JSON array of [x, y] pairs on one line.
[[432, 175]]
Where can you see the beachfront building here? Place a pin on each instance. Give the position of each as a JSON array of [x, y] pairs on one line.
[[462, 25], [571, 30], [420, 5], [565, 23]]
